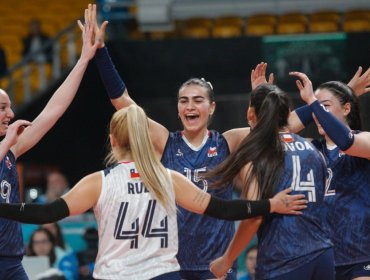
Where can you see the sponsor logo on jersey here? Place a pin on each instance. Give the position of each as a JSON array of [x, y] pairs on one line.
[[134, 174], [212, 152], [367, 267], [8, 163], [287, 138], [179, 153]]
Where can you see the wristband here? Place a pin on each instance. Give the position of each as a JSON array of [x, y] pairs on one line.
[[112, 81], [340, 134], [304, 113], [237, 209]]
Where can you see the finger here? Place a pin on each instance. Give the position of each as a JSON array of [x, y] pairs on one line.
[[299, 84], [271, 78], [25, 123], [91, 13], [300, 202], [358, 72], [103, 27], [94, 14], [287, 190], [367, 73], [258, 69], [86, 16], [80, 25], [300, 207], [294, 212], [367, 90], [297, 74], [263, 69], [297, 196]]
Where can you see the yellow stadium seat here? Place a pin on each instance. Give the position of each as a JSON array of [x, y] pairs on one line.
[[357, 14], [293, 17], [319, 26], [262, 19], [196, 32], [229, 26], [356, 25], [259, 29], [290, 28], [325, 15], [226, 31], [196, 28]]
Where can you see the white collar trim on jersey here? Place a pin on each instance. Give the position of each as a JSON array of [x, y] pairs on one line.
[[191, 146]]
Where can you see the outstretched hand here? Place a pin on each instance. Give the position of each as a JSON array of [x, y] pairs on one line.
[[360, 83], [88, 45], [304, 85], [14, 130], [258, 75], [283, 203], [98, 32]]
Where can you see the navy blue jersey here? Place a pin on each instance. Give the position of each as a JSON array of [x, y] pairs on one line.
[[348, 200], [11, 239], [201, 239], [287, 242]]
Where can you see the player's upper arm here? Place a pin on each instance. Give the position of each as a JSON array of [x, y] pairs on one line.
[[85, 194], [123, 101], [294, 123], [252, 193], [235, 136], [188, 195]]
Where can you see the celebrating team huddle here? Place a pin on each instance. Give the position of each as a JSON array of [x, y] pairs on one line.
[[164, 203]]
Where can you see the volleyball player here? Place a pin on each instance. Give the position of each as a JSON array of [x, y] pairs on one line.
[[268, 160], [347, 152]]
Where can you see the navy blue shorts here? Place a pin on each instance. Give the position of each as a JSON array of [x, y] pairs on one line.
[[348, 272], [321, 268], [11, 268], [205, 274], [175, 275]]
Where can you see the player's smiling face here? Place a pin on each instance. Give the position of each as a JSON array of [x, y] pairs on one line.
[[194, 107], [6, 113]]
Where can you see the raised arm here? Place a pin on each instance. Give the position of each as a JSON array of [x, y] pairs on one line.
[[302, 116], [60, 100], [351, 144], [116, 88]]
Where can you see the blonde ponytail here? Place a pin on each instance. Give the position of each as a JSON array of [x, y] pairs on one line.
[[130, 127]]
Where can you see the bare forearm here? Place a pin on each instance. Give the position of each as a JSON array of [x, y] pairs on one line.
[[64, 95], [243, 236]]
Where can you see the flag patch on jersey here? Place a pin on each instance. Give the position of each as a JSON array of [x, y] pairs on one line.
[[8, 163], [287, 138], [134, 174], [212, 152]]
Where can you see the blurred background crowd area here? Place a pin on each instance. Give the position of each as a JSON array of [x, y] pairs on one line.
[[156, 45]]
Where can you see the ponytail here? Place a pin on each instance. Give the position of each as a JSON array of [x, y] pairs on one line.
[[130, 127], [262, 149]]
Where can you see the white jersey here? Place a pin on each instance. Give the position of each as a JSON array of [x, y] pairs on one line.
[[137, 237]]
